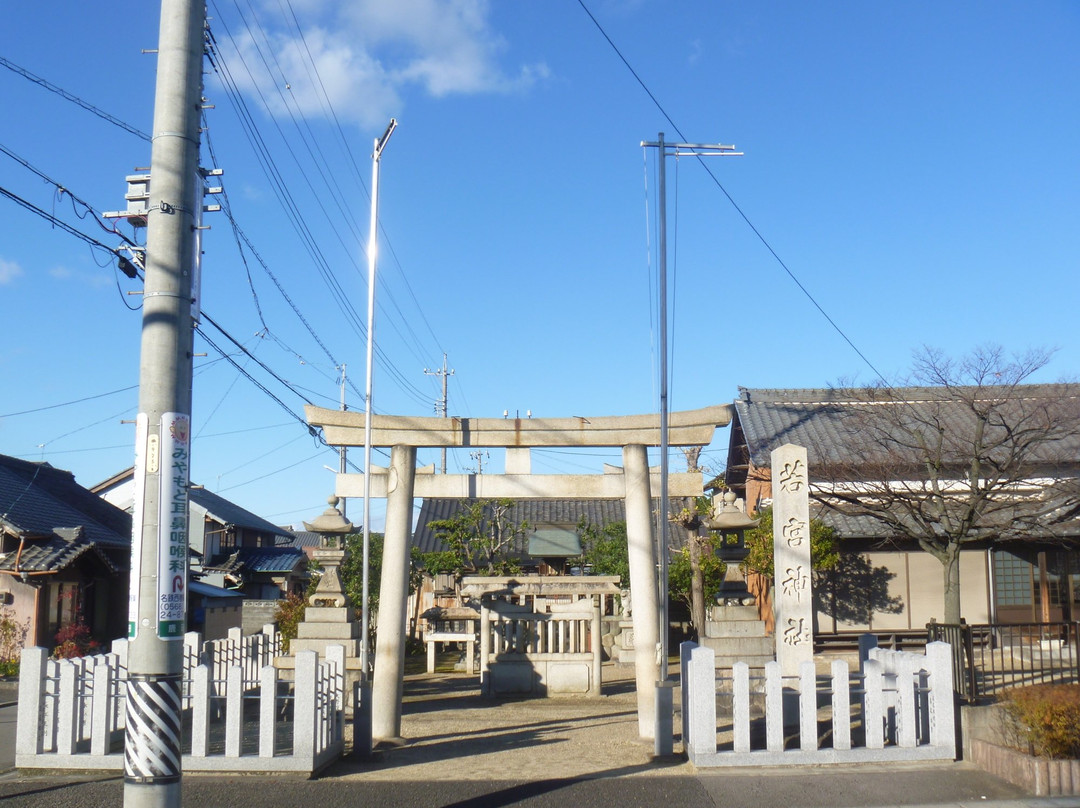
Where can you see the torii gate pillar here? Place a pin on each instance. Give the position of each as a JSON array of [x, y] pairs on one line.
[[643, 585], [389, 676]]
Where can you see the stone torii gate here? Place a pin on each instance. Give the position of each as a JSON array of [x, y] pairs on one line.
[[402, 481]]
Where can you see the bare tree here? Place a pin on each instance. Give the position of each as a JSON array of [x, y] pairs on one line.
[[972, 454]]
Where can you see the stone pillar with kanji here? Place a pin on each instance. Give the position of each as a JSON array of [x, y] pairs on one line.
[[793, 598]]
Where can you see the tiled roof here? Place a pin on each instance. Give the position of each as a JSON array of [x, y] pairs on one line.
[[55, 553], [303, 538], [58, 520], [256, 559], [205, 590], [539, 513], [830, 424], [825, 420], [36, 498], [229, 513]]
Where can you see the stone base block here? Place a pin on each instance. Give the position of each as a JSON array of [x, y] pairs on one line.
[[351, 646], [329, 614], [1039, 776], [741, 628], [328, 631], [731, 614]]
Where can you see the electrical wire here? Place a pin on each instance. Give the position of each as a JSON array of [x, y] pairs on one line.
[[22, 71], [341, 299], [742, 214], [60, 223], [408, 335], [69, 403]]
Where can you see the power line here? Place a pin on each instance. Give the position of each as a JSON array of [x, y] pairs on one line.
[[338, 293], [287, 200], [731, 199], [93, 242], [68, 403], [63, 190], [22, 71]]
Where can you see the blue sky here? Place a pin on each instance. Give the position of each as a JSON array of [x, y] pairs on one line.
[[912, 164]]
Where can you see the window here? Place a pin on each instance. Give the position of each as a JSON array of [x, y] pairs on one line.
[[1012, 580], [63, 606]]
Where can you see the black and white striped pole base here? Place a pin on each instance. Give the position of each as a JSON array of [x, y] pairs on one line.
[[152, 745]]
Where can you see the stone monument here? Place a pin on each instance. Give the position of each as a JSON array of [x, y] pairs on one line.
[[793, 599]]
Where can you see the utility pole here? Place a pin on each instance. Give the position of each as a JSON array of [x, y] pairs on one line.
[[699, 150], [441, 405], [479, 457], [159, 551], [342, 451]]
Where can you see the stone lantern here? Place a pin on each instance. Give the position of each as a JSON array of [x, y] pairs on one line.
[[332, 527], [731, 522], [328, 618]]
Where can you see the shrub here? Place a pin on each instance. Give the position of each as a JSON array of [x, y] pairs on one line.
[[12, 637], [1046, 718], [74, 640], [289, 615]]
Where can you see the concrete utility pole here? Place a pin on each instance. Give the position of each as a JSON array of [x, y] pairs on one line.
[[441, 406], [159, 563]]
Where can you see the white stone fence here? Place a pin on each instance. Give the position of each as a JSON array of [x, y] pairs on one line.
[[250, 652], [900, 708], [238, 716], [558, 652]]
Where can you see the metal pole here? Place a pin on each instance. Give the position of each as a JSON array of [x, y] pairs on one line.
[[159, 563], [365, 615], [342, 451], [663, 557], [663, 702]]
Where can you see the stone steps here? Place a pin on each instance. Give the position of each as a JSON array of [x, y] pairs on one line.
[[735, 634]]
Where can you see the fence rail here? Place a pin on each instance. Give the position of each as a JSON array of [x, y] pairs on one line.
[[239, 715], [900, 708], [991, 657]]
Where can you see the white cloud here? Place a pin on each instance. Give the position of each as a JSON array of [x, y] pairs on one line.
[[9, 271], [366, 55], [94, 279]]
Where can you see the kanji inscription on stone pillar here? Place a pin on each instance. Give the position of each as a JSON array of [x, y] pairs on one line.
[[793, 599]]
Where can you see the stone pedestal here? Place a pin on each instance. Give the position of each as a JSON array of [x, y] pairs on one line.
[[623, 651], [736, 634]]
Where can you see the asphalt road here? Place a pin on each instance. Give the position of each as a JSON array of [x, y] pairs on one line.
[[8, 715], [950, 785]]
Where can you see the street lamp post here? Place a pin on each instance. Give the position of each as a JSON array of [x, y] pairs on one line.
[[372, 249]]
